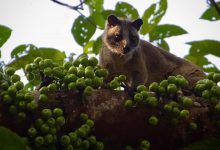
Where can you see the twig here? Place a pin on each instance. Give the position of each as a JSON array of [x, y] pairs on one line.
[[215, 5], [76, 8]]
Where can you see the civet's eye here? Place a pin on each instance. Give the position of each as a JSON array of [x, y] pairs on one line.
[[117, 38], [133, 38]]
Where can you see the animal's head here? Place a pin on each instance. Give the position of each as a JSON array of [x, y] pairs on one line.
[[121, 35]]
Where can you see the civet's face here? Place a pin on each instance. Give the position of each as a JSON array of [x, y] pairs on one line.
[[122, 35]]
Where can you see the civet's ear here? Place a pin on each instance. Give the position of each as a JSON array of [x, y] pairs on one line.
[[112, 21], [137, 24]]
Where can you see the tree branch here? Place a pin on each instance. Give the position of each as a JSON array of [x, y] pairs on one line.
[[76, 8]]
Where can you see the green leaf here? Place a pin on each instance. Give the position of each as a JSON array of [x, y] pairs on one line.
[[98, 19], [97, 45], [204, 47], [88, 47], [10, 140], [152, 16], [126, 10], [163, 44], [203, 63], [164, 31], [83, 30], [19, 50], [211, 13], [5, 33], [33, 52], [95, 5], [207, 144]]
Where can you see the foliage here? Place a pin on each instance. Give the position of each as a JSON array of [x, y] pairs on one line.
[[10, 140], [211, 14]]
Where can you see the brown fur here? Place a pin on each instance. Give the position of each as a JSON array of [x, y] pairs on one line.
[[144, 63]]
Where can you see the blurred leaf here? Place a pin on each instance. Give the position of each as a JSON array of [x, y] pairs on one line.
[[126, 10], [33, 52], [97, 45], [211, 13], [204, 47], [152, 16], [98, 19], [208, 144], [163, 44], [95, 5], [19, 50], [82, 30], [203, 63], [164, 31], [88, 47], [5, 33], [10, 140]]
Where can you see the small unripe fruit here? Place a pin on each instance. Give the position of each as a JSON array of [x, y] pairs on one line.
[[39, 140], [72, 70], [92, 61], [84, 117], [128, 104], [60, 120], [44, 128], [154, 87], [88, 91], [21, 116], [32, 132], [99, 146], [4, 85], [81, 132], [21, 105], [153, 120], [43, 98], [128, 147], [37, 60], [92, 140], [193, 126], [187, 102], [48, 71], [199, 88], [10, 71], [172, 79], [145, 145], [67, 65], [122, 78], [138, 97], [51, 122], [52, 87], [176, 111], [171, 88], [19, 85], [12, 109], [38, 122], [182, 82], [28, 97], [7, 99], [217, 108], [85, 144], [48, 138], [88, 82], [73, 136], [184, 113], [97, 82], [57, 112], [72, 86], [32, 105], [80, 83], [15, 78], [164, 83], [46, 113], [141, 88], [12, 90], [168, 107], [216, 77], [161, 90], [152, 101], [43, 90], [210, 75], [215, 90], [206, 94], [90, 123]]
